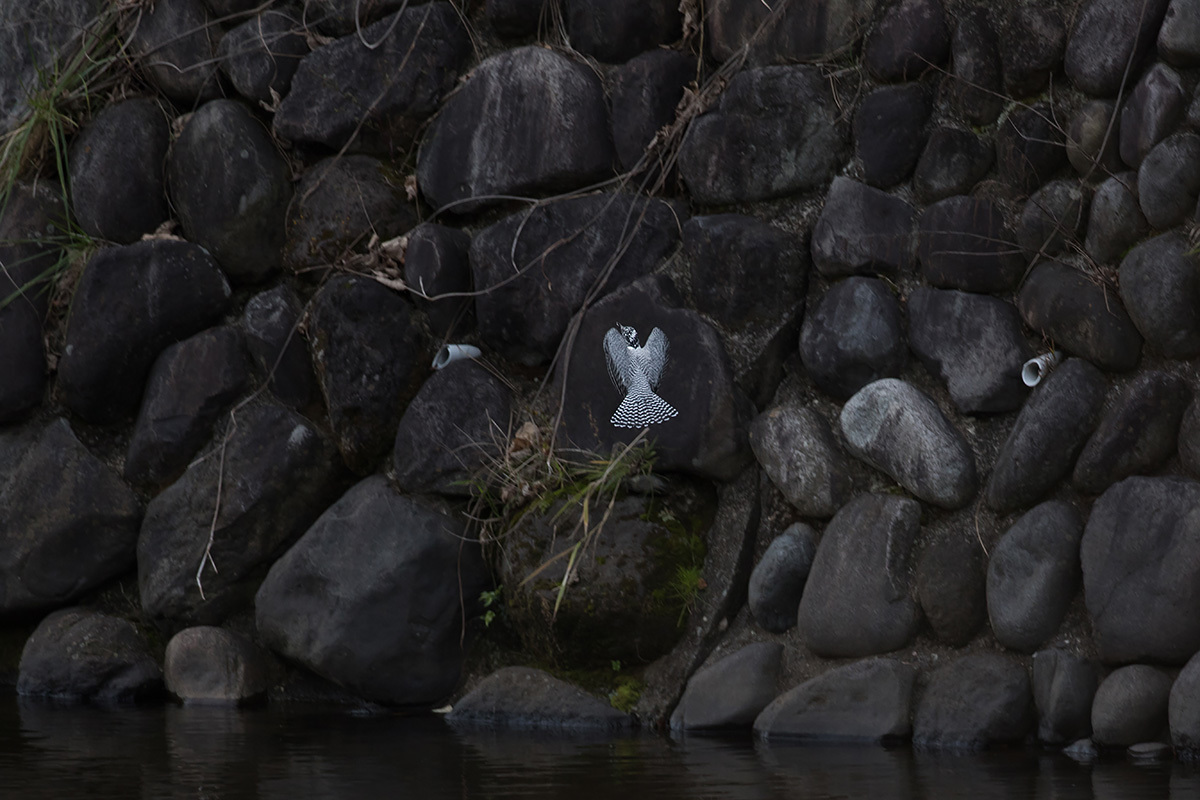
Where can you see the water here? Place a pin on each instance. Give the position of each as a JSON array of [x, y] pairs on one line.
[[49, 751]]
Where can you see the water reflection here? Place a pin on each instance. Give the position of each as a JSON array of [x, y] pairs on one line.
[[52, 751]]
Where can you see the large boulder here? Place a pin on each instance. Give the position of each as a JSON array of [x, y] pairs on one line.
[[865, 701], [778, 580], [374, 90], [889, 132], [67, 521], [116, 170], [708, 435], [897, 428], [1116, 220], [174, 44], [1130, 706], [1108, 42], [1048, 435], [457, 423], [260, 56], [369, 360], [965, 244], [910, 39], [402, 574], [274, 474], [1063, 688], [644, 93], [531, 699], [1168, 180], [862, 231], [1141, 570], [230, 187], [1032, 50], [854, 335], [974, 343], [615, 31], [1153, 109], [130, 303], [528, 121], [1033, 574], [791, 115], [858, 600], [973, 702], [533, 270], [730, 692], [797, 450], [1160, 287], [79, 654]]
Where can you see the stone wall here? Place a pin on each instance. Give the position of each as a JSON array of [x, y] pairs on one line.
[[836, 230]]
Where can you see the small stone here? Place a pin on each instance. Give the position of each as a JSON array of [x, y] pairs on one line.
[[436, 262], [514, 19], [898, 429], [1179, 36], [271, 322], [1063, 688], [1183, 707], [1152, 111], [174, 43], [798, 452], [862, 231], [889, 132], [1029, 147], [261, 55], [1130, 706], [855, 335], [777, 582], [1083, 751], [952, 162], [1116, 221], [910, 39], [1049, 433], [1160, 287], [526, 698], [731, 692], [1054, 218], [1169, 180], [644, 93], [1094, 140], [205, 664]]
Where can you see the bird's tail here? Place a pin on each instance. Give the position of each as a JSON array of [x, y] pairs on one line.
[[642, 408]]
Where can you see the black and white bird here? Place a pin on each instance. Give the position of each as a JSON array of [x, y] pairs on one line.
[[636, 370]]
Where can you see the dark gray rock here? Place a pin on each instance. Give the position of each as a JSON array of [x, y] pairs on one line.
[[116, 166], [1032, 49], [22, 360], [615, 31], [799, 31], [459, 421], [800, 455], [777, 582], [1109, 40], [32, 218], [1131, 706], [897, 428], [965, 244], [644, 92], [854, 336], [911, 38], [339, 18], [190, 385], [1047, 436], [401, 571], [525, 317], [174, 45], [1063, 688], [1136, 434], [1054, 218], [67, 522], [527, 122], [204, 664], [866, 701], [1169, 180], [977, 88], [1152, 111], [621, 605], [160, 291], [858, 601], [370, 360], [1029, 147], [1116, 220], [889, 132], [1183, 708], [240, 8], [951, 588], [724, 254], [1079, 315], [974, 344], [708, 437], [341, 203], [1160, 286], [230, 188], [731, 692], [1189, 438], [1033, 574], [1179, 36], [347, 93], [527, 698], [1083, 751], [79, 654], [514, 19], [260, 56], [277, 473], [952, 162], [791, 115], [437, 262], [1139, 558], [1094, 139], [862, 231], [277, 346], [973, 702]]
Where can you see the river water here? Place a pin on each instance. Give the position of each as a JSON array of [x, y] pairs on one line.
[[52, 751]]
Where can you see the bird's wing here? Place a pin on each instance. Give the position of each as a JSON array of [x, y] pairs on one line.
[[654, 360], [616, 353]]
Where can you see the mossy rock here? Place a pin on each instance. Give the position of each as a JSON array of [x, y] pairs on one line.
[[627, 600]]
